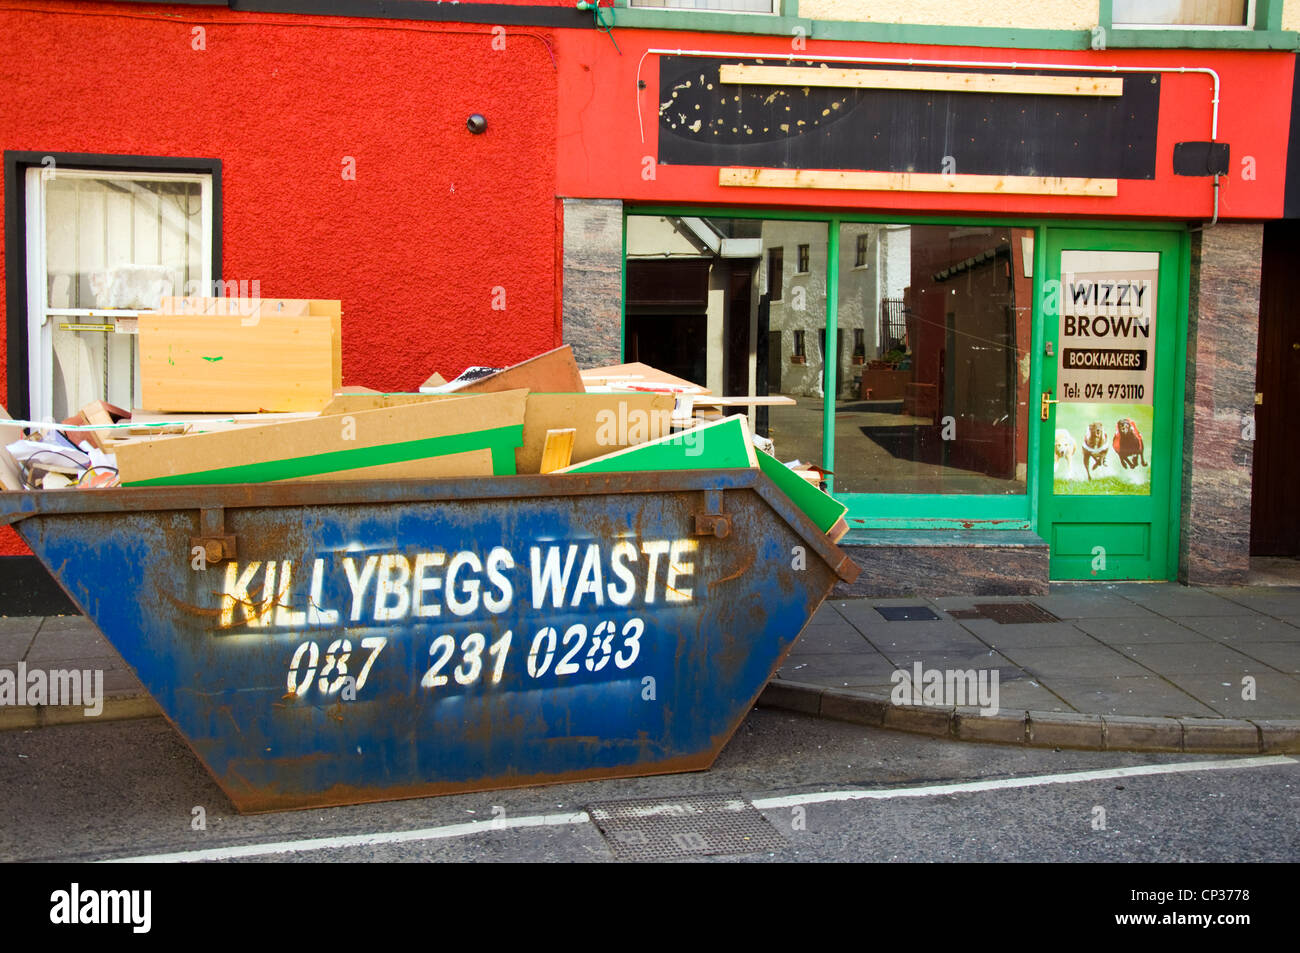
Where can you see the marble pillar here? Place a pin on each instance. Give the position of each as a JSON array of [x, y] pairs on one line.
[[593, 280], [1219, 403]]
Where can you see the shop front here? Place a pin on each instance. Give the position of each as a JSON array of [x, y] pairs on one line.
[[987, 340]]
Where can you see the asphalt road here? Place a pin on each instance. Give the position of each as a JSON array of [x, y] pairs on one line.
[[127, 790]]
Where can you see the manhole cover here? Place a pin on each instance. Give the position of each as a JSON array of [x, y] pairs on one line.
[[1014, 612], [907, 613], [673, 828]]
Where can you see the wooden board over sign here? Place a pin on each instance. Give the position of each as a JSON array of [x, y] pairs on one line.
[[925, 80], [915, 182]]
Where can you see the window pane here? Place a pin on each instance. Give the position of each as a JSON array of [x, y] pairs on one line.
[[936, 398], [1181, 12], [113, 243], [714, 301], [742, 6], [795, 329]]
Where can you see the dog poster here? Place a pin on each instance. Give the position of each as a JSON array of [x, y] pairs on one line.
[[1102, 449], [1105, 373]]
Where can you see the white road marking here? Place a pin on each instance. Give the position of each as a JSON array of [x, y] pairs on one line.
[[360, 840], [560, 820], [1002, 784]]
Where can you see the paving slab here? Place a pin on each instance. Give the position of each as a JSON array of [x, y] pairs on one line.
[[1151, 629], [1174, 601], [1027, 634], [840, 666], [977, 658], [1025, 694], [1089, 603], [1209, 658], [1235, 629], [70, 642], [818, 639], [1143, 696], [16, 635], [1070, 661], [1276, 695], [1283, 656], [826, 614], [1269, 600], [951, 641]]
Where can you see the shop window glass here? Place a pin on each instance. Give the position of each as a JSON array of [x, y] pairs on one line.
[[775, 273], [934, 395], [746, 326]]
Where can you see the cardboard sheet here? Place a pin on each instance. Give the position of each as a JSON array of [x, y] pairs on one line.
[[387, 443]]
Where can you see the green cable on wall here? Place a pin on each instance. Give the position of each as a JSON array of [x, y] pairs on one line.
[[598, 18]]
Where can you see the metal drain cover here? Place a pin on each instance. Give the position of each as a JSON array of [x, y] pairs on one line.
[[693, 826], [1014, 612], [907, 613]]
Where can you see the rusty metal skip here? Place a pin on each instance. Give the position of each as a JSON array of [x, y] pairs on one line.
[[333, 643]]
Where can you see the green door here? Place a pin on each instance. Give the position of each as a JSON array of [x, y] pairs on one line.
[[1110, 403]]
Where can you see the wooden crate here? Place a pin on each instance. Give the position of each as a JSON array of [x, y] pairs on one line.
[[240, 356]]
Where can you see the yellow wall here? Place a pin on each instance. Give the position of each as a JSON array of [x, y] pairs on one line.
[[1291, 15], [1040, 14]]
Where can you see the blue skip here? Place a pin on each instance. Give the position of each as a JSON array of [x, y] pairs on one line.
[[333, 643]]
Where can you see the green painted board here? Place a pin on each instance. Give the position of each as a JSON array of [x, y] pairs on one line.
[[501, 441], [820, 508], [724, 445]]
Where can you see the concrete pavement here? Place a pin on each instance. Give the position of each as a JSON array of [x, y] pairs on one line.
[[1133, 666]]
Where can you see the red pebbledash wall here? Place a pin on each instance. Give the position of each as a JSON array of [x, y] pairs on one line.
[[436, 219]]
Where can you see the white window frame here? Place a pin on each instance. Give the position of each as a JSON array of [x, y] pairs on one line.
[[41, 318]]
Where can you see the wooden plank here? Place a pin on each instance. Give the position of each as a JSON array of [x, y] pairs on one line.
[[351, 403], [768, 400], [924, 80], [553, 372], [558, 451], [916, 182], [638, 375], [602, 422]]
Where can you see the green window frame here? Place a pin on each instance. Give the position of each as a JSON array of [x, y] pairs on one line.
[[923, 511], [1265, 33]]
